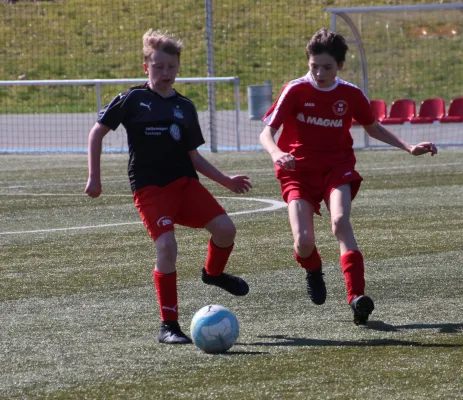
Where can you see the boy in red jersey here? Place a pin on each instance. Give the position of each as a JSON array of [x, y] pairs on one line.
[[314, 161], [163, 135]]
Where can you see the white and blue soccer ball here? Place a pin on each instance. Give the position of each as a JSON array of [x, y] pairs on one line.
[[214, 329]]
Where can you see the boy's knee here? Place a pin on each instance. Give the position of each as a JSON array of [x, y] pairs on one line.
[[166, 247], [224, 229], [304, 245], [230, 231], [340, 224]]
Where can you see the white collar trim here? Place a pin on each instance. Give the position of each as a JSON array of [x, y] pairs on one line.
[[327, 89]]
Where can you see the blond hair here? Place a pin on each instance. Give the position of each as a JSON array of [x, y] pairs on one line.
[[163, 41]]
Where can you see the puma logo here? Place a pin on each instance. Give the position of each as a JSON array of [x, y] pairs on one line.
[[174, 308], [148, 106]]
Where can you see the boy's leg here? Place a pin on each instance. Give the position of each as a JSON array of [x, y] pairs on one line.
[[340, 205], [302, 226], [165, 276], [157, 208], [220, 246], [221, 243], [201, 210], [165, 282], [351, 259], [305, 252]]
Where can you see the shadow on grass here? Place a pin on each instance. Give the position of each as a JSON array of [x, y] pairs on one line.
[[285, 340], [443, 328], [237, 353]]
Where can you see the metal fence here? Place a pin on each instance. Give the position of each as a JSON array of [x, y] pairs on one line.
[[67, 132]]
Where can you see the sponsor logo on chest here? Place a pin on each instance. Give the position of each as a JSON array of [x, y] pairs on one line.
[[154, 130], [174, 131], [325, 122]]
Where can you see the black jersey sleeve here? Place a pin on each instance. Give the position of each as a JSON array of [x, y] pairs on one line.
[[113, 113]]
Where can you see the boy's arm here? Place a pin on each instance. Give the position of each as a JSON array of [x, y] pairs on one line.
[[95, 139], [267, 139], [237, 184], [379, 132]]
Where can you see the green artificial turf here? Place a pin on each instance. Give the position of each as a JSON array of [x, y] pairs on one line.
[[79, 317]]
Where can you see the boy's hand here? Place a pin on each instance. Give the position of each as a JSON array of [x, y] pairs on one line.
[[239, 184], [423, 148], [93, 188], [284, 160]]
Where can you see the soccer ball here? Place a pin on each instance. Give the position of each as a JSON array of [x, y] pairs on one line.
[[214, 329]]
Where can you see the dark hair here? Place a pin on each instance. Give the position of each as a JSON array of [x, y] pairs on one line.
[[325, 41]]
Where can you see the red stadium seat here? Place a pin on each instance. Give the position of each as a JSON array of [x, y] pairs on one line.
[[455, 113], [378, 107], [430, 110], [402, 110]]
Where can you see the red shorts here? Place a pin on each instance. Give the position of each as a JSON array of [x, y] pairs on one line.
[[315, 186], [185, 202]]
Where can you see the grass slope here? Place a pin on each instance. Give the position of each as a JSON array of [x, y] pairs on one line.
[[255, 41]]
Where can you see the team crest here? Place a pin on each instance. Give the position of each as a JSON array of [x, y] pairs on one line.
[[340, 107], [178, 113], [174, 131]]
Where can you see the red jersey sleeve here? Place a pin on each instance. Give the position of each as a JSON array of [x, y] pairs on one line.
[[362, 111], [281, 109]]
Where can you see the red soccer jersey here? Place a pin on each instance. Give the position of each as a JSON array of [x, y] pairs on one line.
[[316, 121]]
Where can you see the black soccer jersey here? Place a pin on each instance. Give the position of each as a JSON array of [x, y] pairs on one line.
[[160, 133]]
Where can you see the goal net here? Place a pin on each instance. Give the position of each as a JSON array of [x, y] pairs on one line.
[[405, 52]]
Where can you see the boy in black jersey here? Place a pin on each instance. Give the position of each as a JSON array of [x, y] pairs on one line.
[[163, 135]]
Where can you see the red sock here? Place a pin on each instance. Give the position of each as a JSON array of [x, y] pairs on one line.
[[217, 258], [310, 263], [166, 290], [354, 273]]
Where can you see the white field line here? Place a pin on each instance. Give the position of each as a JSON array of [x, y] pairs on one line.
[[274, 205], [59, 184], [411, 166]]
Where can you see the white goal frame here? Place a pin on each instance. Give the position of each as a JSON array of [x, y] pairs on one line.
[[344, 14]]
